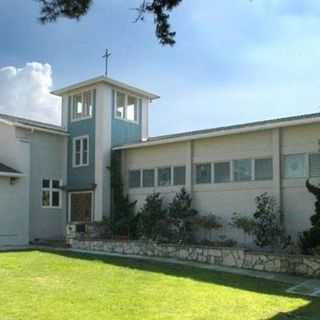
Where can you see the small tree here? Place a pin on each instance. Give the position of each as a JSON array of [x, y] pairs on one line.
[[123, 219], [151, 216], [264, 225], [182, 216], [310, 239]]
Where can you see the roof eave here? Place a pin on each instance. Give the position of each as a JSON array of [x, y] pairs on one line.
[[114, 83]]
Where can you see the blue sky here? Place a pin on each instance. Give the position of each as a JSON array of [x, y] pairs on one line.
[[234, 61]]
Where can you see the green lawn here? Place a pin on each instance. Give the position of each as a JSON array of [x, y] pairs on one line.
[[55, 286]]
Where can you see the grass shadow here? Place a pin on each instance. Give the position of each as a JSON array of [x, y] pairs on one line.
[[309, 312]]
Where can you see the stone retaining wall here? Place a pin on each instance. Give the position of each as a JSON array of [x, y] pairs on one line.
[[231, 257]]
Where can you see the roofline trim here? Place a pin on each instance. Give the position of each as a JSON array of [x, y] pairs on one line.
[[280, 124], [11, 174], [35, 128], [115, 83]]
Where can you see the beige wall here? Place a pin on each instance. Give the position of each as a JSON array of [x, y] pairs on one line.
[[225, 198]]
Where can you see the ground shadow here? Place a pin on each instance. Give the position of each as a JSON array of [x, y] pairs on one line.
[[309, 312]]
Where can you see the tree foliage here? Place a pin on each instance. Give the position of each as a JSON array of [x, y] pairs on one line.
[[123, 219], [310, 240], [51, 10]]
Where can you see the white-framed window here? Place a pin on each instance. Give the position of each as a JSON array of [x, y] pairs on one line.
[[242, 170], [126, 107], [295, 165], [134, 179], [222, 172], [203, 173], [164, 177], [80, 152], [81, 106], [51, 193], [263, 169]]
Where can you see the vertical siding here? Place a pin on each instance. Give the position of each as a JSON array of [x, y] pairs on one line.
[[82, 177]]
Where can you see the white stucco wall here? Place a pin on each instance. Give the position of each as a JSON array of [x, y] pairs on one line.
[[48, 160], [224, 199], [14, 198]]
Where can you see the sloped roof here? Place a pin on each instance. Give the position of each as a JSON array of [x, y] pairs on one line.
[[107, 80], [8, 171], [32, 123], [225, 130]]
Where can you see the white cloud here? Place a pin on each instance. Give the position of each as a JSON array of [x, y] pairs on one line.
[[25, 92]]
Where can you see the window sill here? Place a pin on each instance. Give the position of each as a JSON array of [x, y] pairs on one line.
[[84, 118]]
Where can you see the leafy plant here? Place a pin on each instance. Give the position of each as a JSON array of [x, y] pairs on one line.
[[123, 219], [310, 239], [151, 217], [182, 217], [264, 225]]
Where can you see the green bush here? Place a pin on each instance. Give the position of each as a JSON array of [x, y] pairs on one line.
[[151, 218], [310, 239], [264, 225], [123, 219]]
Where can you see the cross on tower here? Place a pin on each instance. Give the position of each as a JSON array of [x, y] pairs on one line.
[[106, 56]]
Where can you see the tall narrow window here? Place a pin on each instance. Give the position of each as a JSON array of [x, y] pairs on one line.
[[179, 176], [120, 105], [242, 170], [314, 164], [134, 178], [222, 172], [131, 109], [87, 104], [164, 177], [203, 173], [81, 151], [51, 193]]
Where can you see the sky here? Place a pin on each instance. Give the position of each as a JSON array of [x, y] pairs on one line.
[[234, 61]]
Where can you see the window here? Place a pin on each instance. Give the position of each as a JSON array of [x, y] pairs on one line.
[[51, 193], [164, 177], [134, 178], [132, 109], [148, 178], [179, 176], [203, 173], [263, 169], [314, 164], [222, 172], [242, 170], [126, 107], [81, 151], [120, 105], [82, 106], [295, 166]]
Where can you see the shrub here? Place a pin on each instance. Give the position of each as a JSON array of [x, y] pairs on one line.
[[264, 224], [310, 239], [181, 217], [123, 219], [151, 217]]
